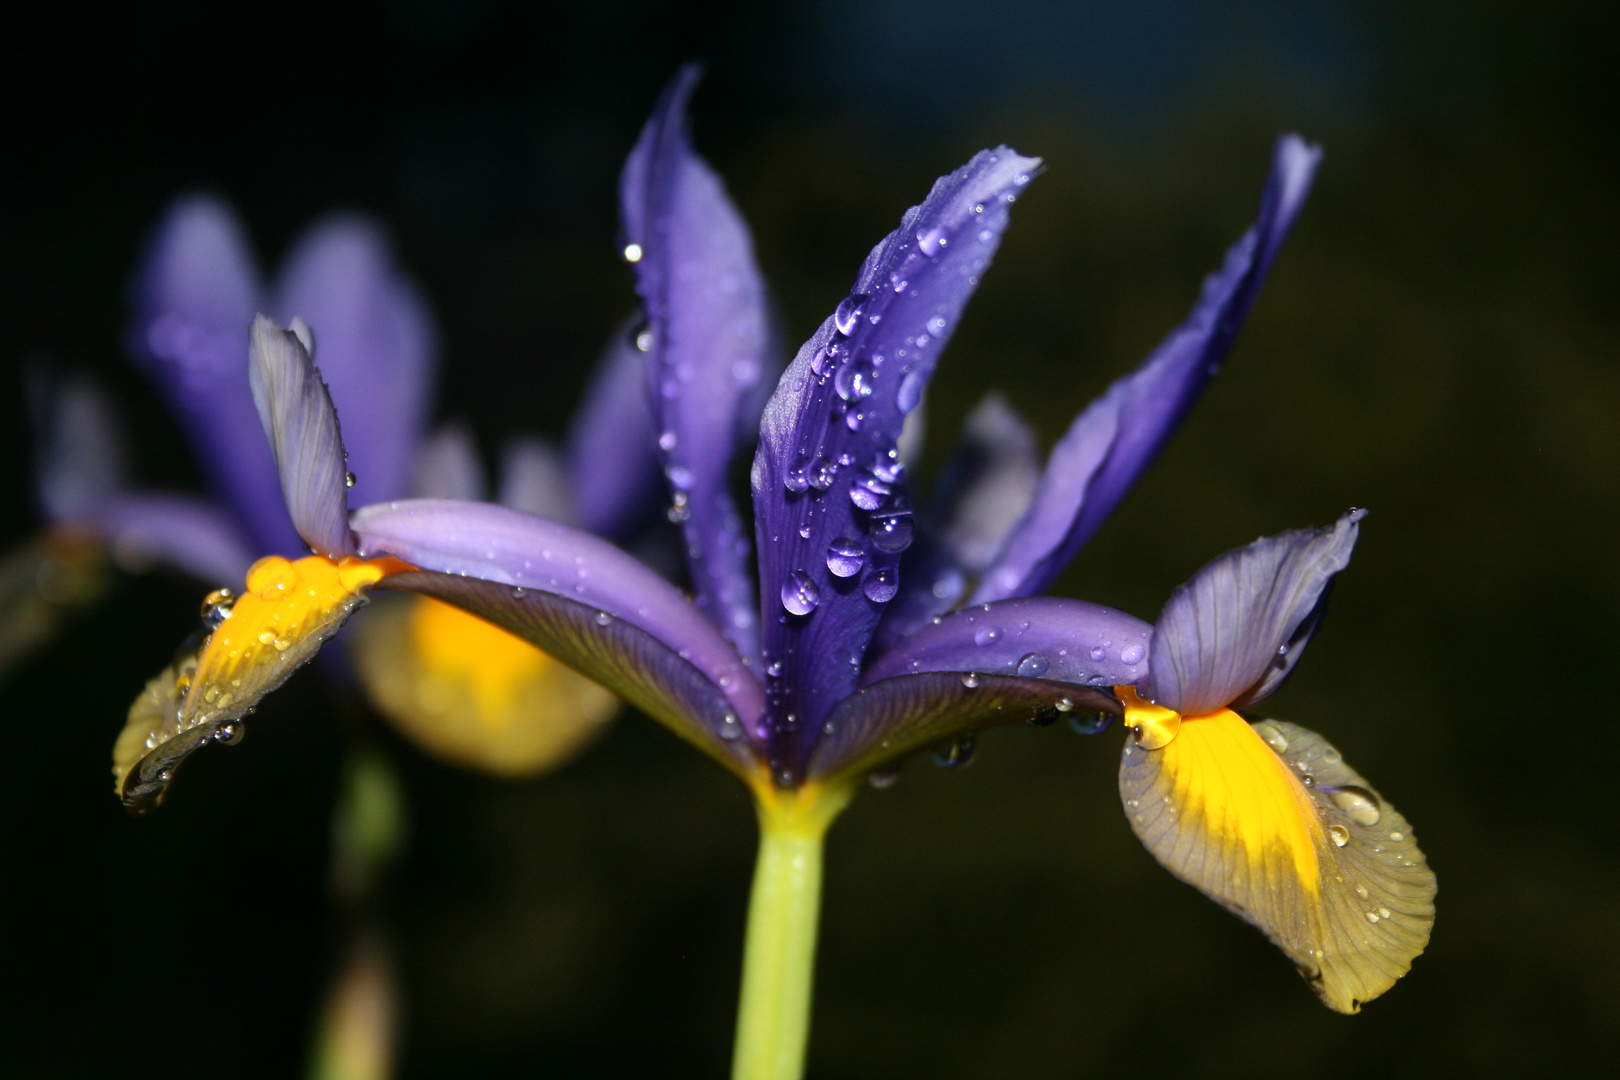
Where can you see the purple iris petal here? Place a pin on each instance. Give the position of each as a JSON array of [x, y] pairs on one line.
[[931, 583], [194, 295], [705, 304], [879, 724], [827, 446], [535, 480], [446, 465], [1119, 435], [1232, 634], [515, 549], [302, 426], [79, 453], [181, 531], [374, 341], [632, 662], [989, 482], [1041, 637], [612, 447]]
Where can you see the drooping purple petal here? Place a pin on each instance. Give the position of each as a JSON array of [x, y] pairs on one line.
[[639, 666], [1038, 637], [705, 304], [515, 549], [612, 445], [988, 484], [1232, 634], [189, 534], [825, 477], [302, 426], [534, 479], [194, 297], [879, 724], [1119, 435], [374, 340], [447, 466]]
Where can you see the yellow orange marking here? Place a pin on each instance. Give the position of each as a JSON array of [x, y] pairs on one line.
[[1153, 726], [493, 664]]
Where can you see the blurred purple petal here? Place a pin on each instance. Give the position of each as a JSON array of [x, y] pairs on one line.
[[705, 304], [626, 658], [374, 341], [825, 475], [515, 549], [79, 455], [1041, 637], [194, 295], [989, 482], [612, 445], [1120, 434], [447, 466], [534, 479], [302, 426], [931, 583], [1231, 635], [180, 531], [879, 724]]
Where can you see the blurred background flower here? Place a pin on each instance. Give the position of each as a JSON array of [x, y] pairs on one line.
[[1436, 345]]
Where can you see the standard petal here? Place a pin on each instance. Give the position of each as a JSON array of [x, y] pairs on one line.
[[534, 479], [988, 483], [659, 680], [181, 531], [612, 445], [1269, 821], [447, 466], [1120, 434], [302, 426], [879, 724], [1232, 634], [194, 296], [496, 544], [1044, 637], [826, 477], [79, 449], [707, 325], [375, 342]]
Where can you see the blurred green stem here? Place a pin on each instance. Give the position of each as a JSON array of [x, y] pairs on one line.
[[779, 954]]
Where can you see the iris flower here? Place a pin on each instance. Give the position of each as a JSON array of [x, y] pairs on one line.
[[825, 651]]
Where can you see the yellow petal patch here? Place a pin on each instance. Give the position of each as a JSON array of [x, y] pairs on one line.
[[472, 693], [288, 610], [1268, 820]]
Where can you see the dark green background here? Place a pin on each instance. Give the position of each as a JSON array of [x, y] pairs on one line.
[[1437, 344]]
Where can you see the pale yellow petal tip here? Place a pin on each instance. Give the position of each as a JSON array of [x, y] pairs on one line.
[[1268, 820], [472, 693], [359, 1022], [252, 644]]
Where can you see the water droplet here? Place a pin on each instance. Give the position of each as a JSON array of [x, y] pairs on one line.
[[1033, 665], [821, 476], [883, 778], [680, 477], [282, 644], [887, 466], [230, 733], [774, 669], [845, 557], [804, 531], [937, 324], [603, 618], [932, 242], [848, 312], [1340, 835], [667, 440], [216, 607], [1372, 916], [957, 754], [519, 592], [1091, 723], [880, 586], [1131, 654], [910, 393], [853, 419], [949, 586], [868, 492], [892, 533], [971, 680], [986, 635], [266, 638], [1308, 780], [1357, 803], [1361, 891], [1098, 652], [632, 253], [1273, 738], [348, 480], [797, 478], [1282, 650], [1397, 836], [800, 594], [730, 727]]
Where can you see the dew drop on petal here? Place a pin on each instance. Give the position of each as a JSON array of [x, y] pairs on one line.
[[986, 635], [1132, 654], [800, 594], [1273, 738], [730, 727], [880, 586], [1340, 835], [892, 533], [957, 754], [1358, 804], [848, 312], [797, 477], [845, 557], [1090, 723], [1033, 665], [971, 680]]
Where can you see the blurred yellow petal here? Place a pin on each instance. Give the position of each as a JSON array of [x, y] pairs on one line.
[[42, 582], [359, 1022], [1268, 820], [287, 611], [473, 693]]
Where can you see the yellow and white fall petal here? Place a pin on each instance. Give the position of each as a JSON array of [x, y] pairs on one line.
[[472, 693], [1268, 820]]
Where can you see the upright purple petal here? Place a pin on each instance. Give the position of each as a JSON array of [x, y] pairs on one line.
[[298, 417], [446, 466], [705, 304], [1120, 434], [828, 493], [374, 339], [501, 545], [189, 534], [988, 484], [612, 445], [534, 479], [79, 448], [194, 295], [1231, 635]]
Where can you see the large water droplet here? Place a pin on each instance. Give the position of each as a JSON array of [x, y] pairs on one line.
[[680, 477], [216, 607], [957, 754], [849, 312], [230, 733], [1033, 665], [986, 635], [1090, 723], [1273, 738], [868, 492], [349, 480], [1358, 804], [822, 474], [1340, 835], [797, 477], [667, 441], [893, 532], [800, 594], [1132, 654], [887, 466], [910, 393], [845, 557], [730, 727], [931, 242], [880, 586]]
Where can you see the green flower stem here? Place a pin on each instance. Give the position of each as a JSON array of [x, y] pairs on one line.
[[779, 954]]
